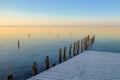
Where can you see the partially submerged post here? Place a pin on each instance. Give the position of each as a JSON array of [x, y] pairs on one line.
[[64, 56], [54, 64], [74, 49], [70, 51], [28, 35], [82, 45], [34, 68], [58, 36], [78, 46], [47, 62], [85, 46], [60, 56], [88, 39], [18, 44], [92, 39], [10, 77]]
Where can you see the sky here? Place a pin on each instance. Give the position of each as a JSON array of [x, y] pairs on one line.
[[59, 12]]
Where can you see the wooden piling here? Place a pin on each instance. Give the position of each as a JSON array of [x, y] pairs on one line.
[[28, 35], [88, 40], [54, 64], [74, 49], [60, 56], [92, 39], [85, 43], [58, 36], [34, 68], [70, 51], [47, 62], [64, 56], [18, 44], [82, 43], [10, 77], [78, 49]]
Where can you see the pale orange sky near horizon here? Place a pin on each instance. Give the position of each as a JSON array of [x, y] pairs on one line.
[[57, 21]]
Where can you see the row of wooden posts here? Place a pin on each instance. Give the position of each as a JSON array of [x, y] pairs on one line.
[[78, 47]]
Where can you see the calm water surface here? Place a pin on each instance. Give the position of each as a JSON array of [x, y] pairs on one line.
[[37, 43]]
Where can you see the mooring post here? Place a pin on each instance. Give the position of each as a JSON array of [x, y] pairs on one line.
[[10, 77], [88, 39], [70, 51], [18, 44], [78, 50], [93, 38], [85, 46], [81, 45], [28, 35], [64, 56], [60, 56], [74, 49], [86, 43], [47, 62], [34, 68], [54, 64]]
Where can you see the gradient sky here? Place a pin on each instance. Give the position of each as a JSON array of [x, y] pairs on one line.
[[59, 12]]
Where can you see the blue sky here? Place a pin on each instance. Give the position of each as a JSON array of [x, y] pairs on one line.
[[60, 12]]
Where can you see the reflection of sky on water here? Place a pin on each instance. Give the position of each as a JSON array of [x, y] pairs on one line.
[[46, 41]]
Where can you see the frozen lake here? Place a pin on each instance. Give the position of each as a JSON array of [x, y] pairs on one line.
[[37, 43]]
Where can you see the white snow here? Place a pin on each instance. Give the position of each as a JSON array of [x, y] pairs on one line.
[[90, 65]]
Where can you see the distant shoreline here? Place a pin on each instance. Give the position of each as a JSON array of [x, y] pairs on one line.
[[59, 26]]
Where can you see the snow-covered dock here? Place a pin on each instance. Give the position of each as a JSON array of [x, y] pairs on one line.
[[90, 65]]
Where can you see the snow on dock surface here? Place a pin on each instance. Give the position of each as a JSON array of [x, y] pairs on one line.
[[90, 65]]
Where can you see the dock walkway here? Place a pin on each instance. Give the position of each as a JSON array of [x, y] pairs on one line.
[[89, 65]]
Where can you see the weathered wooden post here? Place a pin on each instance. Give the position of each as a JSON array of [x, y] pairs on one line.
[[94, 38], [76, 44], [28, 35], [58, 36], [34, 68], [70, 51], [47, 62], [74, 49], [64, 56], [60, 56], [10, 77], [54, 64], [86, 43], [85, 46], [18, 44], [82, 45], [78, 50], [88, 40]]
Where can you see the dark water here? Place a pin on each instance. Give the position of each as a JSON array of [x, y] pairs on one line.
[[37, 43]]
